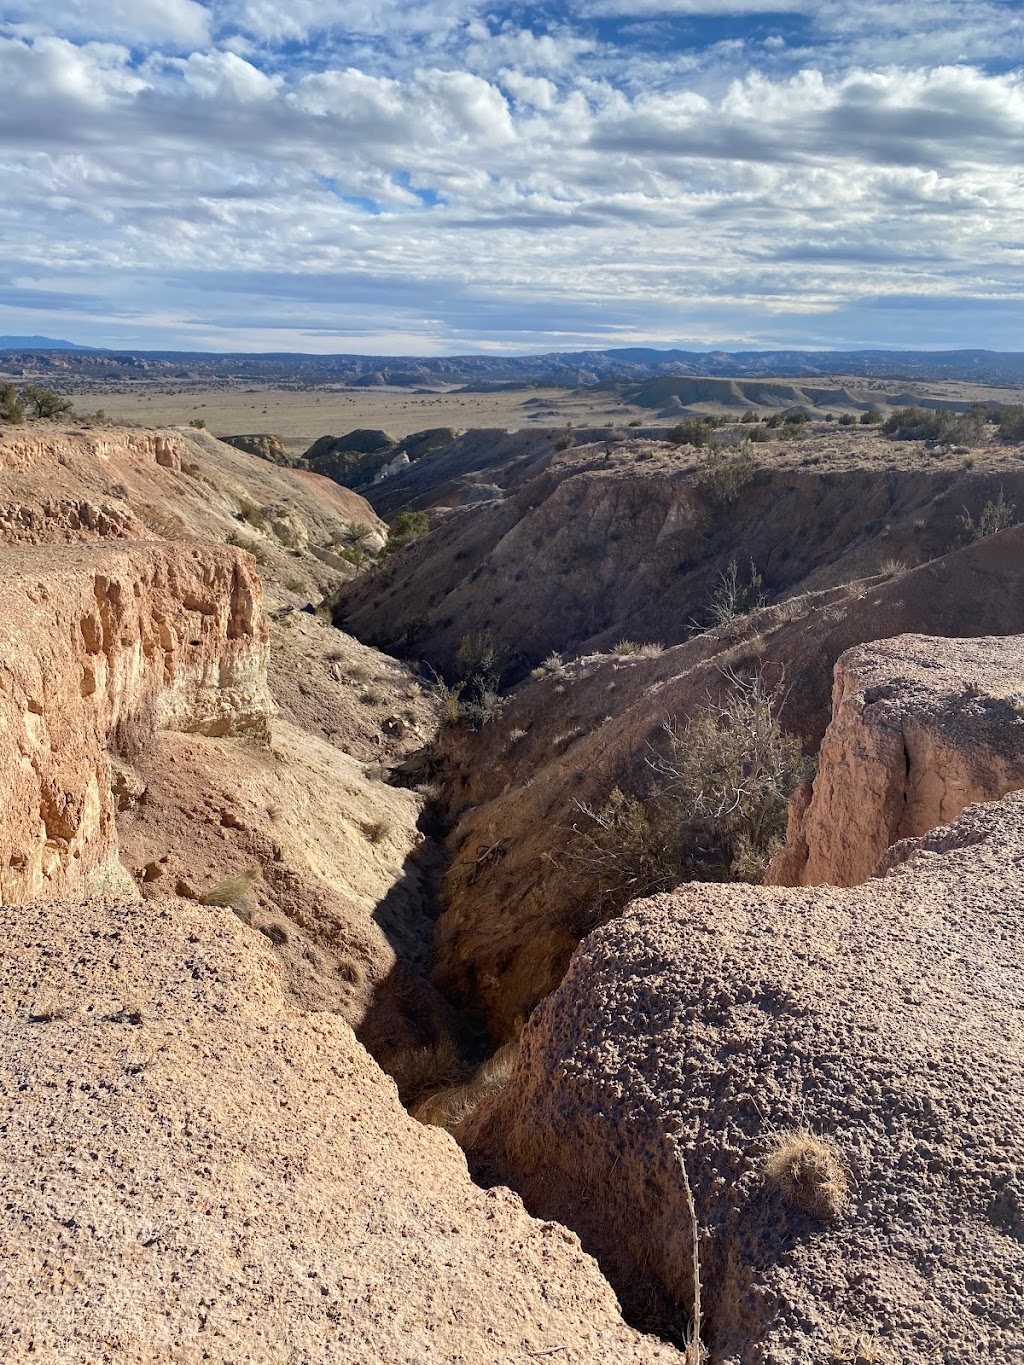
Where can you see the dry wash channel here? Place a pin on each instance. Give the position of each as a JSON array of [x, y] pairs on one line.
[[830, 1063]]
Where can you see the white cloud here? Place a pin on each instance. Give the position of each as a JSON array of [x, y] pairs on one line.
[[499, 179], [182, 23]]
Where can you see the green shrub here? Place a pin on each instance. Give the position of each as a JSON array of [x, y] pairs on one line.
[[940, 425], [1010, 422], [695, 431], [872, 417], [42, 402], [847, 420], [567, 440], [198, 422], [11, 407], [407, 528]]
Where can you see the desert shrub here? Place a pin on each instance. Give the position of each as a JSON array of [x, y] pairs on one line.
[[42, 402], [421, 1071], [252, 513], [626, 647], [477, 663], [733, 597], [993, 517], [295, 584], [695, 431], [12, 409], [351, 543], [636, 422], [758, 434], [722, 473], [407, 528], [809, 1173], [847, 419], [872, 416], [198, 422], [750, 416], [892, 568], [1010, 422], [941, 425], [567, 440], [796, 417], [247, 543], [714, 809], [549, 667]]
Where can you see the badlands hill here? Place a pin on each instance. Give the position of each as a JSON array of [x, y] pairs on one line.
[[251, 865]]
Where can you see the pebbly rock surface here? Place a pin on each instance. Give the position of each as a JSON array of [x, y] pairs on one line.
[[196, 1172], [921, 727], [887, 1018]]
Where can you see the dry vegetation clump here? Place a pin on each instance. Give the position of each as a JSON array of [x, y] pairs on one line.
[[247, 543], [449, 1107], [422, 1071], [733, 597], [549, 667], [993, 517], [714, 809], [808, 1172], [723, 472], [940, 425], [234, 893]]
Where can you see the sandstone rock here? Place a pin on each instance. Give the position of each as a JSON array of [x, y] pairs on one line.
[[194, 1171], [101, 648], [921, 727], [888, 1018]]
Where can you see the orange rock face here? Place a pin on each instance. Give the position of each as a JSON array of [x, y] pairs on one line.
[[103, 646], [921, 727]]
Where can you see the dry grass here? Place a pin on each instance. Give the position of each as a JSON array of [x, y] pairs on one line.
[[451, 1106], [809, 1173], [234, 893], [892, 568], [856, 1349], [422, 1071]]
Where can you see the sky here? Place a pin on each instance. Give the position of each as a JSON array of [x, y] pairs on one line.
[[449, 176]]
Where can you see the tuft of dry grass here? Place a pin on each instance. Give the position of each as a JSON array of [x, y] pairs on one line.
[[451, 1106], [421, 1071], [856, 1349], [892, 568], [809, 1173], [234, 893]]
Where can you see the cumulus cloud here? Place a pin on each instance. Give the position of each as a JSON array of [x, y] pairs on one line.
[[498, 181]]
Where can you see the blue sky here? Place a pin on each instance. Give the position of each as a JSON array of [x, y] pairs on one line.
[[443, 176]]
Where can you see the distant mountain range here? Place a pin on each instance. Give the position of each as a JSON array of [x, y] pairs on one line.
[[39, 356], [39, 344]]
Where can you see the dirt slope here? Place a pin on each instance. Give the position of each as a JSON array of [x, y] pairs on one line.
[[513, 786], [595, 544]]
